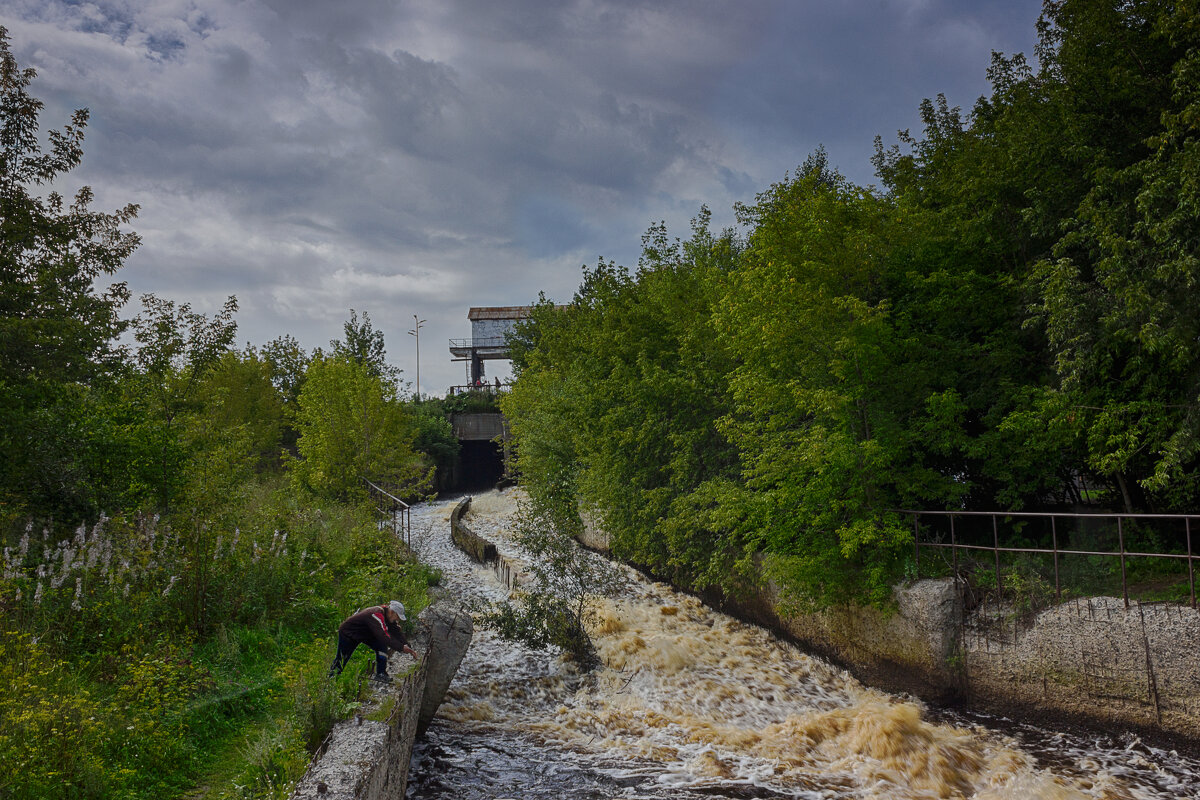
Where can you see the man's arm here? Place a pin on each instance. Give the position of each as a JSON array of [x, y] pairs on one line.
[[385, 638]]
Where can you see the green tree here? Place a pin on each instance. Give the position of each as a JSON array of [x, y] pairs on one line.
[[353, 427], [57, 331], [616, 399], [1117, 294], [288, 362], [823, 394], [566, 583], [237, 399], [177, 348], [363, 344], [435, 439]]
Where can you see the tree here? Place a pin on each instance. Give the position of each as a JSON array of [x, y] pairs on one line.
[[288, 362], [435, 439], [1117, 291], [364, 345], [823, 391], [566, 583], [57, 331], [353, 427], [237, 401], [177, 347]]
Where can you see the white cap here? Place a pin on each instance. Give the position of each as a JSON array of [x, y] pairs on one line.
[[398, 607]]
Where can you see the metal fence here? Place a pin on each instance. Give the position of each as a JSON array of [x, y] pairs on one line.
[[391, 511], [967, 534]]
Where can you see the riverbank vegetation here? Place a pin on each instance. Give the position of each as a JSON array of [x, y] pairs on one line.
[[1007, 322], [183, 521]]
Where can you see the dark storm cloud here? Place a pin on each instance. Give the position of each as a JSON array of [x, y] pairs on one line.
[[423, 157]]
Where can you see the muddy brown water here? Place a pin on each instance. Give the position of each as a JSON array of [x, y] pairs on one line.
[[691, 703]]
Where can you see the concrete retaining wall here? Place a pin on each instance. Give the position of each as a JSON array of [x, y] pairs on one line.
[[510, 571], [478, 548], [364, 759], [1091, 661]]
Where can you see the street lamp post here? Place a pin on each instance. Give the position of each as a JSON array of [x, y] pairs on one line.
[[416, 332]]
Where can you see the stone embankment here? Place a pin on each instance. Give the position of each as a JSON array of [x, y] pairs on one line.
[[1094, 661], [367, 759], [509, 571]]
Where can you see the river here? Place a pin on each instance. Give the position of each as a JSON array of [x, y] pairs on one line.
[[691, 703]]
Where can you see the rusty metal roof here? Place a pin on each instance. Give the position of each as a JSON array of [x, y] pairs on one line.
[[498, 312]]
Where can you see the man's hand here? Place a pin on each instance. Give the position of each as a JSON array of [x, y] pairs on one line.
[[410, 651]]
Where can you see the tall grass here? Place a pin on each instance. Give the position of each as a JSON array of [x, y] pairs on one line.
[[134, 647]]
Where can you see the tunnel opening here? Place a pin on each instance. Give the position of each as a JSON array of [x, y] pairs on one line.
[[480, 465]]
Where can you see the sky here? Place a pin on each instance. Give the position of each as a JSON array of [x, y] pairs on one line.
[[419, 158]]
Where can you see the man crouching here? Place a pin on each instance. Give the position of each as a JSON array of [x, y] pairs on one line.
[[378, 627]]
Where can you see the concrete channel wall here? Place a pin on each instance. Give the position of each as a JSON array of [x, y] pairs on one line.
[[367, 759], [510, 571], [1092, 661]]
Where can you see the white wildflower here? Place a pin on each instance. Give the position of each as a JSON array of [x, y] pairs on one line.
[[75, 605], [37, 594], [171, 583]]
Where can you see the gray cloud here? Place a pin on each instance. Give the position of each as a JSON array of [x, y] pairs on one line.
[[423, 157]]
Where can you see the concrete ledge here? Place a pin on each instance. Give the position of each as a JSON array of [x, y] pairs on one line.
[[364, 759], [510, 571], [478, 548], [1090, 661]]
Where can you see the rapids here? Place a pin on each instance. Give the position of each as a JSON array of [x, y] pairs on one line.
[[690, 703]]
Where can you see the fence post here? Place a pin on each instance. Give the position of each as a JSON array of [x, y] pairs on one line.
[[954, 549], [1187, 521], [1121, 542], [917, 545], [1054, 535], [996, 550]]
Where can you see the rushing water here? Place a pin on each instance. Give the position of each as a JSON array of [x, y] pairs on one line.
[[690, 703]]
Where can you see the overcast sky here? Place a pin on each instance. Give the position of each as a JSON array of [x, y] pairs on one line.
[[401, 158]]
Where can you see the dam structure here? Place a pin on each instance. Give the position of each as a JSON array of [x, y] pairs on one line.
[[481, 430], [490, 328]]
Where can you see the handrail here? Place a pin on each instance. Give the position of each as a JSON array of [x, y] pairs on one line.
[[1043, 514], [955, 546], [495, 341], [392, 511]]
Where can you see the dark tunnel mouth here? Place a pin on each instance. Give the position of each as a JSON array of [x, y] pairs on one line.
[[480, 465]]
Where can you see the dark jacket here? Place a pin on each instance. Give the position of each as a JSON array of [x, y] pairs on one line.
[[370, 627]]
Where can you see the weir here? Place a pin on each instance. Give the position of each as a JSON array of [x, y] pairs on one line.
[[690, 703]]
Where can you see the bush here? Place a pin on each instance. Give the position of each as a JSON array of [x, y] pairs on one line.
[[180, 633]]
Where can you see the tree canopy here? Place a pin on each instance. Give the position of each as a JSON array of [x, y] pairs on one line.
[[1009, 323]]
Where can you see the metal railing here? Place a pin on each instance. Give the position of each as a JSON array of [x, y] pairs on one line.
[[391, 512], [479, 344], [956, 545], [482, 388]]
